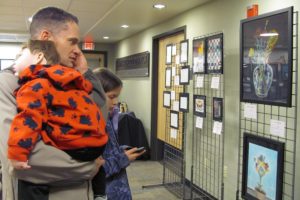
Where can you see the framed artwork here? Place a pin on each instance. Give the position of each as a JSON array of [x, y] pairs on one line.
[[215, 54], [169, 54], [200, 105], [263, 161], [199, 56], [167, 99], [174, 118], [184, 102], [184, 75], [217, 109], [168, 77], [266, 58], [95, 59], [184, 46]]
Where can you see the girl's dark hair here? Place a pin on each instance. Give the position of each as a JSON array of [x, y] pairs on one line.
[[109, 80]]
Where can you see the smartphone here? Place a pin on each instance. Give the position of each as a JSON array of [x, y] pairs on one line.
[[140, 149]]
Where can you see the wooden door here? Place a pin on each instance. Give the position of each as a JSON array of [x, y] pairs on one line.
[[163, 114]]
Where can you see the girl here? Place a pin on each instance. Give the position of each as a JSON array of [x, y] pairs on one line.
[[116, 158]]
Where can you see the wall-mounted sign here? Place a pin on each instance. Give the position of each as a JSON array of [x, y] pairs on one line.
[[136, 65]]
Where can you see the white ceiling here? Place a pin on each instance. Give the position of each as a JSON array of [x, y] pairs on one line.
[[97, 18]]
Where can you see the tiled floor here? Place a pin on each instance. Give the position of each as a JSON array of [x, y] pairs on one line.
[[147, 173]]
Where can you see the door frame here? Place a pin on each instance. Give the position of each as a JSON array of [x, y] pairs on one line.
[[157, 146]]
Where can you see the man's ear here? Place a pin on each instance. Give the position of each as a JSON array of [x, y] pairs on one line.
[[40, 59], [45, 35]]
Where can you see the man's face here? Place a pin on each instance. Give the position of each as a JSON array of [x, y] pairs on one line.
[[66, 42]]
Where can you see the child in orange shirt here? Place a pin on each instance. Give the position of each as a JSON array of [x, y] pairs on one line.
[[53, 105]]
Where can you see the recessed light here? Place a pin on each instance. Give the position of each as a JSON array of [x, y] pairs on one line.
[[30, 19], [105, 37], [159, 6], [125, 26]]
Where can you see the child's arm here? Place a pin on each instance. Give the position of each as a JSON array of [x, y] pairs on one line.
[[20, 164], [27, 124]]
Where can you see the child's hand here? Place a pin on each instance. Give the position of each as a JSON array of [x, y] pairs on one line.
[[81, 63], [20, 164]]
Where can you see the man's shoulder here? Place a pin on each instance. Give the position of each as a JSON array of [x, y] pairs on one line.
[[8, 77]]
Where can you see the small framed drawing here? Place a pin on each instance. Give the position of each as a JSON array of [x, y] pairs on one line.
[[174, 118], [167, 99], [169, 54], [199, 58], [184, 47], [200, 105], [217, 109], [184, 75], [266, 58], [168, 77], [215, 54], [263, 161], [184, 102]]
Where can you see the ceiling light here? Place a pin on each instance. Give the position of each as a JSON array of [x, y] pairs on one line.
[[30, 19], [268, 34], [125, 26], [105, 37], [159, 6]]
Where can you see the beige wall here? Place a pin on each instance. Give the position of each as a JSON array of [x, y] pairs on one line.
[[218, 15]]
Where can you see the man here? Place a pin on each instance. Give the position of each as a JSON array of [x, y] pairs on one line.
[[69, 179]]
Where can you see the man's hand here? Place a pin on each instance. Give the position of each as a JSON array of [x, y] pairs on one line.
[[20, 164], [132, 154], [99, 161], [81, 63]]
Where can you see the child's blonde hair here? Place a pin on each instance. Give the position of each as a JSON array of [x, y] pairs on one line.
[[47, 48]]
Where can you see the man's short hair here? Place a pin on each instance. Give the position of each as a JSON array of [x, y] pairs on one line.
[[47, 47], [50, 18]]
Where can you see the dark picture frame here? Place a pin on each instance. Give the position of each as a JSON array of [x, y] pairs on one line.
[[184, 78], [214, 54], [169, 54], [199, 103], [174, 117], [217, 106], [184, 51], [168, 77], [95, 59], [167, 99], [199, 56], [263, 163], [184, 102], [266, 58]]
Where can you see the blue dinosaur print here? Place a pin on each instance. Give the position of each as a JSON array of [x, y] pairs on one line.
[[49, 98], [36, 87], [65, 128], [35, 104], [86, 134], [56, 111], [84, 119], [32, 68], [98, 116], [25, 143], [30, 122], [72, 103], [87, 100], [49, 129], [59, 72]]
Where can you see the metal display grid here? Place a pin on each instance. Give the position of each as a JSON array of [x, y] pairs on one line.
[[208, 147], [173, 162], [261, 127]]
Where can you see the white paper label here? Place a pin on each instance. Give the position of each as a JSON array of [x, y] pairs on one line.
[[199, 81], [250, 111], [215, 82], [277, 127], [217, 128], [176, 105], [173, 133], [199, 122]]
